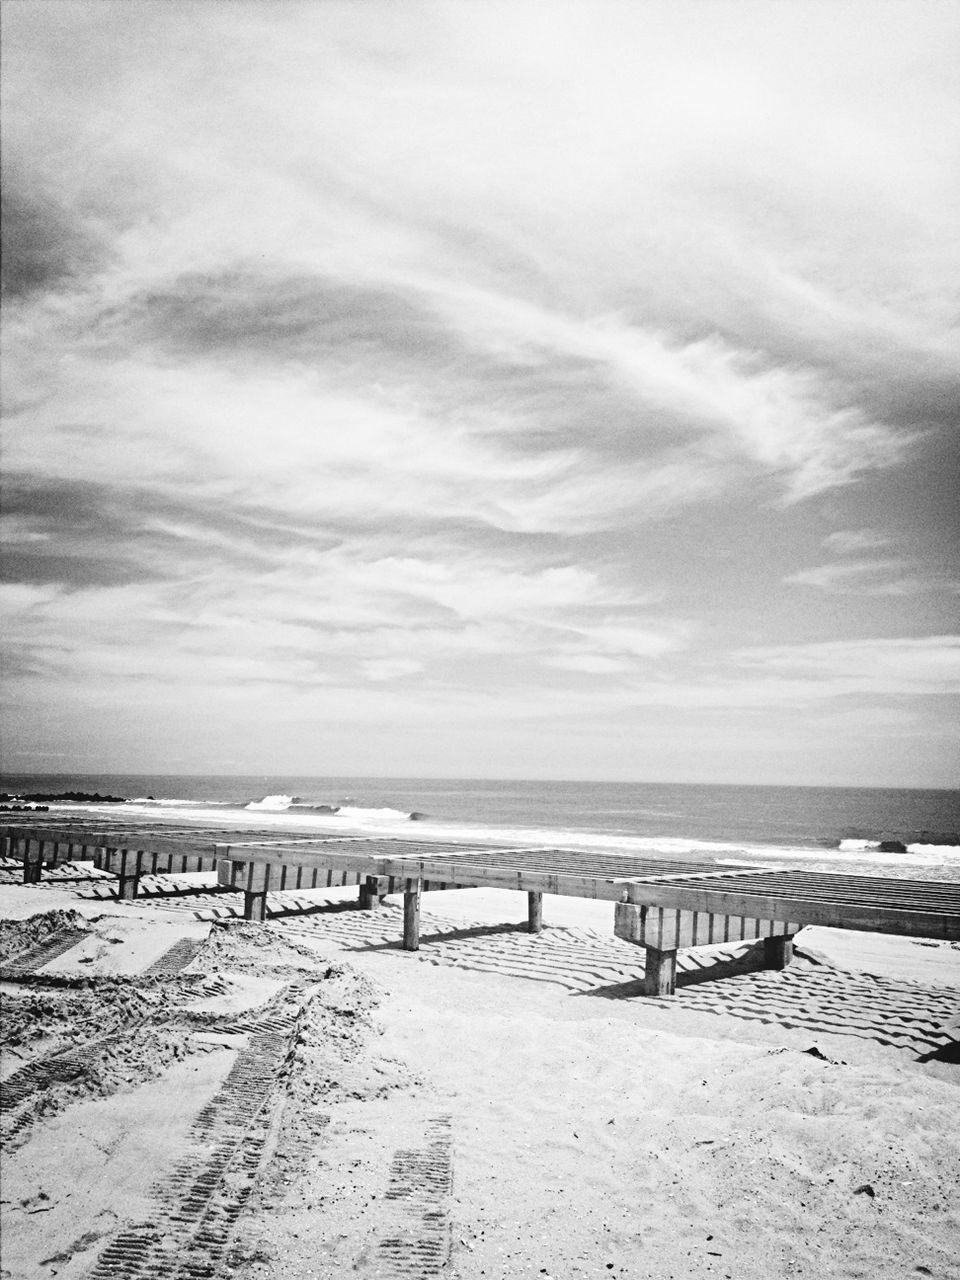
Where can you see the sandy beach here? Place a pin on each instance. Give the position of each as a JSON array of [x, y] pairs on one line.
[[189, 1094]]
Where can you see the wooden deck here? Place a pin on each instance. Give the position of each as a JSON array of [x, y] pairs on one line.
[[661, 904]]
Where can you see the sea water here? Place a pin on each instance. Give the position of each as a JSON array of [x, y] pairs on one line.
[[819, 828]]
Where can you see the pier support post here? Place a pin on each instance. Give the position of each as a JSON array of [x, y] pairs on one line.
[[778, 951], [32, 861], [534, 912], [256, 882], [254, 906], [371, 893], [411, 915], [128, 872], [660, 972]]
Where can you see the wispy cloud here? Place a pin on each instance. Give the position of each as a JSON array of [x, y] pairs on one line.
[[857, 575], [850, 541], [930, 664], [429, 362], [866, 578]]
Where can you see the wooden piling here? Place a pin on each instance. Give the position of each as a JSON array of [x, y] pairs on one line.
[[255, 906], [534, 912], [32, 862], [128, 872], [371, 894], [660, 975], [411, 915], [778, 951], [256, 882]]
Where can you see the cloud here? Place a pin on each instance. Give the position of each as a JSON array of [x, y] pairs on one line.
[[880, 576], [864, 578], [44, 247], [391, 669], [481, 357], [849, 541], [928, 665]]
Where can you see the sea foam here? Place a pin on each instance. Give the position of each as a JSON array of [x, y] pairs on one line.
[[274, 804]]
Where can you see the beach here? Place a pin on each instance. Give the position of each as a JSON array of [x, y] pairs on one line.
[[304, 1098], [479, 675]]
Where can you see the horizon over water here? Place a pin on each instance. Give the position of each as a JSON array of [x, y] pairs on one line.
[[828, 828]]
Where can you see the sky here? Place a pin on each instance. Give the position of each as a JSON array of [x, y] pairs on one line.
[[465, 389]]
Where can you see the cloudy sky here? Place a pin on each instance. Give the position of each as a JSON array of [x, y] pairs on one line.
[[523, 390]]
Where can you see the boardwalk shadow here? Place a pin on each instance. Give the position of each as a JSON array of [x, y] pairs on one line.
[[692, 970], [910, 1017], [809, 996], [444, 937], [313, 909]]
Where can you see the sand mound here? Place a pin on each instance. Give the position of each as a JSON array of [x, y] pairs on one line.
[[244, 947], [19, 936], [256, 1046]]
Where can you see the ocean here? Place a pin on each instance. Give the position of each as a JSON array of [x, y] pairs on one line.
[[904, 833]]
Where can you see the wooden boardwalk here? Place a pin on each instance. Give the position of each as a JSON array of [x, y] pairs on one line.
[[663, 904]]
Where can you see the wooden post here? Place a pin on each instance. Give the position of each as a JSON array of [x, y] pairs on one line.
[[255, 891], [254, 905], [534, 912], [660, 977], [370, 895], [32, 862], [778, 951], [226, 873], [129, 873], [411, 915]]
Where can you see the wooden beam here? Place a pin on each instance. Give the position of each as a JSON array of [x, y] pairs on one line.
[[660, 972], [118, 838], [795, 908], [471, 875], [362, 863], [411, 916], [665, 929]]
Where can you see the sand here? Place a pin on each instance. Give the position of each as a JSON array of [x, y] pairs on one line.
[[306, 1099]]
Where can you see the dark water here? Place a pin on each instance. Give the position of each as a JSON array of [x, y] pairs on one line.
[[800, 818]]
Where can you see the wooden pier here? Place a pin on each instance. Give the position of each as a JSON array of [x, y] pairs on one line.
[[663, 905]]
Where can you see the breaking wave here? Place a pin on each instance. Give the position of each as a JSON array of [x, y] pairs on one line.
[[347, 812], [273, 804]]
